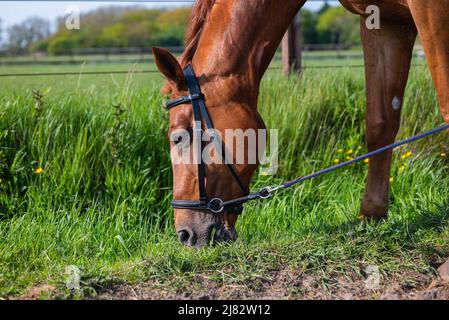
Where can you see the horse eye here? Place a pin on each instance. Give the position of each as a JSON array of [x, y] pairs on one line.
[[177, 140], [182, 137]]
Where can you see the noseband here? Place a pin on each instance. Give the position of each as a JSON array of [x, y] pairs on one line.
[[196, 99]]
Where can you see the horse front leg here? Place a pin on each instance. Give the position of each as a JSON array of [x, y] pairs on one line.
[[388, 54]]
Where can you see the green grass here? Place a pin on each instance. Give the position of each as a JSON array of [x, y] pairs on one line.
[[103, 200]]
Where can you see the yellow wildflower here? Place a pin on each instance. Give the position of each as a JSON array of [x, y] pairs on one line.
[[366, 160], [443, 154], [349, 158], [337, 161], [409, 154], [39, 170], [340, 150], [403, 157], [391, 179], [350, 151]]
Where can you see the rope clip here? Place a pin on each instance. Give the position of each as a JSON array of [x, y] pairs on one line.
[[267, 192]]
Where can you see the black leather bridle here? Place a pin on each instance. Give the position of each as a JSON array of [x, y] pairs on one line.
[[195, 98]]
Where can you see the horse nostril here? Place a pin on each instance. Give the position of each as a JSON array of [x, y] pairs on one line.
[[183, 236]]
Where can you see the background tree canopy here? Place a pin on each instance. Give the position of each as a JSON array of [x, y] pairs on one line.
[[124, 27], [337, 26], [120, 28]]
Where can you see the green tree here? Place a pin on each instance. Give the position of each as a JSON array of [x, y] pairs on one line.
[[62, 44], [138, 27], [338, 26], [171, 27], [122, 27], [114, 35], [309, 21]]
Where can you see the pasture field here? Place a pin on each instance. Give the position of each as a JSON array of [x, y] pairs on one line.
[[86, 182]]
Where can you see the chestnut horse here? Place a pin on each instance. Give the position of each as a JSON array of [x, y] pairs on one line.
[[230, 44]]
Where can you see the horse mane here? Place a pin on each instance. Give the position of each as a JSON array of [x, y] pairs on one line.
[[195, 26]]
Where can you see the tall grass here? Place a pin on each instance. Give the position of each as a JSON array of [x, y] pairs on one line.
[[102, 201]]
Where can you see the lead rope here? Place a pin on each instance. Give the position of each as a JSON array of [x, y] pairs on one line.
[[217, 205]]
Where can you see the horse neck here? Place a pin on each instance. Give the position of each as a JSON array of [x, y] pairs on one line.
[[239, 41]]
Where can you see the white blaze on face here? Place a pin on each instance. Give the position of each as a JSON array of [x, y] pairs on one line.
[[397, 103]]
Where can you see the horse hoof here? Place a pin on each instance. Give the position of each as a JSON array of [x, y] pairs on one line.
[[375, 217], [373, 210]]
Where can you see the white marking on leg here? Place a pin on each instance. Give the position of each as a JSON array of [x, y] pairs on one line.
[[397, 103]]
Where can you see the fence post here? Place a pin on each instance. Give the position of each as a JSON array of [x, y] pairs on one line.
[[291, 48]]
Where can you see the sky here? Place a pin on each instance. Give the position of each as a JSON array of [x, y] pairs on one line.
[[12, 12]]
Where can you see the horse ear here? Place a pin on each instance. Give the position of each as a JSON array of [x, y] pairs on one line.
[[169, 66]]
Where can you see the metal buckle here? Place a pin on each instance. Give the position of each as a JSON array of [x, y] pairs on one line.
[[267, 192], [194, 96], [216, 205]]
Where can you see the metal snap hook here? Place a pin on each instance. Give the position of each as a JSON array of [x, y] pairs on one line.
[[267, 192], [216, 205]]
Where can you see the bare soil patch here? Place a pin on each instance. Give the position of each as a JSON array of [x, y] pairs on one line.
[[38, 292], [286, 285]]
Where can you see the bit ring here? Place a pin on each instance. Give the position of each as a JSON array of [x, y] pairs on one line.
[[216, 205]]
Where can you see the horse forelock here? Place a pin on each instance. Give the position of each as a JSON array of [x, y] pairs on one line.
[[195, 27]]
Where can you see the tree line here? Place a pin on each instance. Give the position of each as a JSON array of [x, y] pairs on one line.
[[124, 27]]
